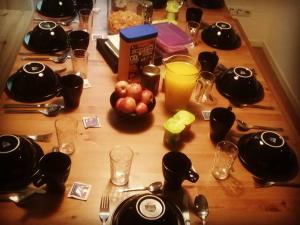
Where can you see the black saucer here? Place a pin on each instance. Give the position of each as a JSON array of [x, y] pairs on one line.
[[283, 170], [26, 43], [12, 92]]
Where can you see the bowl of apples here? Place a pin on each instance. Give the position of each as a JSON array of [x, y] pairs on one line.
[[131, 100]]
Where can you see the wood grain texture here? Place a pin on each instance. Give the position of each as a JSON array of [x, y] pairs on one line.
[[13, 24], [233, 202]]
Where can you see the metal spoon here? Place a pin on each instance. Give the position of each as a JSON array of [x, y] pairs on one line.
[[50, 111], [243, 126], [154, 187], [43, 105], [201, 206], [59, 59]]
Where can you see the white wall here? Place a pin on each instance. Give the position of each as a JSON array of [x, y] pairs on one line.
[[275, 26]]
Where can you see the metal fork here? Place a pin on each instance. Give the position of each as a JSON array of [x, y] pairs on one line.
[[104, 209]]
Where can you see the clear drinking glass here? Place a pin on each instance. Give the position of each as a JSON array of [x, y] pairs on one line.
[[120, 163], [203, 88], [79, 59], [193, 28], [86, 20], [225, 155], [66, 129]]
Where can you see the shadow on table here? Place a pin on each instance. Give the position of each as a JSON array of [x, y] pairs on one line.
[[232, 186], [41, 205], [131, 125]]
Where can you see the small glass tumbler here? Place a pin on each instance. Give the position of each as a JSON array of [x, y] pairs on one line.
[[120, 163], [193, 28], [79, 59], [204, 87], [66, 129], [86, 20], [225, 155]]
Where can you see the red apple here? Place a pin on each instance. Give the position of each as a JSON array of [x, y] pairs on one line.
[[121, 88], [146, 96], [134, 90], [126, 105], [141, 108], [118, 103]]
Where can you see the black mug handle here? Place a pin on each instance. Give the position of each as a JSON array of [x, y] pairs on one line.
[[192, 175], [38, 179]]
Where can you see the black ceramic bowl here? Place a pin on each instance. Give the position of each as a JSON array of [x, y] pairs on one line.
[[34, 82], [56, 8], [210, 4], [266, 155], [147, 210], [46, 37], [19, 158], [113, 100], [221, 35], [240, 86]]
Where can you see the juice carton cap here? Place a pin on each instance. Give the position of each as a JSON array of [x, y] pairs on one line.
[[137, 33]]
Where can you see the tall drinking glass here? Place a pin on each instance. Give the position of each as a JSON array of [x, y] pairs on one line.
[[181, 74]]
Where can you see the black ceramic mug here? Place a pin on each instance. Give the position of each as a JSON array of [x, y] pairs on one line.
[[72, 86], [208, 61], [54, 169], [177, 167], [220, 121], [79, 39]]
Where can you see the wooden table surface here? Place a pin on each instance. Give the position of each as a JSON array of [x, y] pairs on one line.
[[233, 201]]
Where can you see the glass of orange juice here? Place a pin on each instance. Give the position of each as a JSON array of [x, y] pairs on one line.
[[181, 74]]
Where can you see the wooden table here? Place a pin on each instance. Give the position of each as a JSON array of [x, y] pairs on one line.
[[234, 201]]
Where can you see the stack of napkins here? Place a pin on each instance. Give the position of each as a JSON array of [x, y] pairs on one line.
[[113, 43]]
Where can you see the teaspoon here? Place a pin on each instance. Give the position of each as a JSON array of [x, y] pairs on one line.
[[154, 187], [243, 126], [201, 206]]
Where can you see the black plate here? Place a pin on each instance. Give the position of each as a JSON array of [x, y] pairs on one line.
[[10, 91], [281, 171], [54, 14], [239, 98], [208, 39], [37, 153], [126, 213], [27, 45]]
